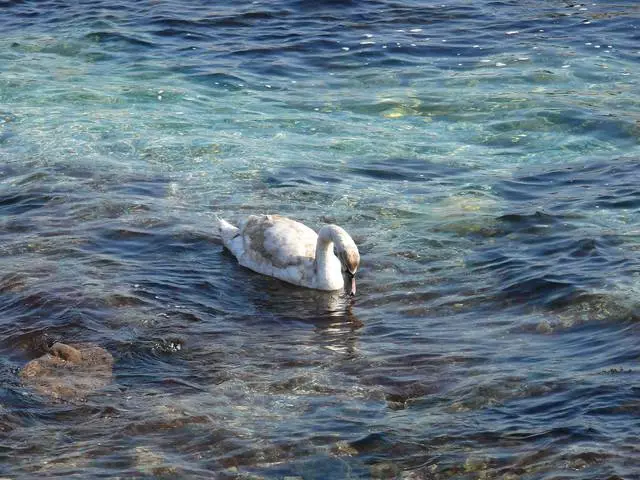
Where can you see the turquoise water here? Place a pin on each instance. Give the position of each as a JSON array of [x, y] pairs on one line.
[[483, 155]]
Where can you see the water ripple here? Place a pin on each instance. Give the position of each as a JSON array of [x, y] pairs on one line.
[[483, 155]]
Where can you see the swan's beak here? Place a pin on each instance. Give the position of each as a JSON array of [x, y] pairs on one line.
[[352, 287]]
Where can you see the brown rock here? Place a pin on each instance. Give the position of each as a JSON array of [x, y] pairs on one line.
[[66, 352], [69, 372]]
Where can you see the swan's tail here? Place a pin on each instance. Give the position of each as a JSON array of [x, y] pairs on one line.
[[227, 231]]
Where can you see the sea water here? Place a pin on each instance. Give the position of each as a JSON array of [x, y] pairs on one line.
[[484, 155]]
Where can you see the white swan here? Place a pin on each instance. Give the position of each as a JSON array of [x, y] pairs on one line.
[[283, 248]]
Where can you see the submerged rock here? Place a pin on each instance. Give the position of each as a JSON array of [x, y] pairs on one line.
[[69, 371], [152, 463]]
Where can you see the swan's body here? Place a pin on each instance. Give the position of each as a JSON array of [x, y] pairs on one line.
[[288, 250]]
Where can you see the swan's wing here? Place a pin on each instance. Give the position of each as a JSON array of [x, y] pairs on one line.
[[277, 241]]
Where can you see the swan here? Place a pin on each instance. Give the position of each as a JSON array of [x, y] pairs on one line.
[[283, 248]]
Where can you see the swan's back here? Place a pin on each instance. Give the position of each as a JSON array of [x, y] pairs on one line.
[[277, 240]]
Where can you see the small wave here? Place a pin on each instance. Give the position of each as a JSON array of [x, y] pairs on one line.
[[553, 269], [217, 79], [578, 187], [406, 169], [119, 39]]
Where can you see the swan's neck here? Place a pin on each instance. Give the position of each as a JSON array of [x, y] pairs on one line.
[[327, 265]]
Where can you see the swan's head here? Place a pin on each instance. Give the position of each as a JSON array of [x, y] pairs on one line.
[[345, 249], [350, 260]]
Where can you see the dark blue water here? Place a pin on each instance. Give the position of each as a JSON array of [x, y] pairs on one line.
[[485, 157]]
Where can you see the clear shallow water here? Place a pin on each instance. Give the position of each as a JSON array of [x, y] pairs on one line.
[[484, 155]]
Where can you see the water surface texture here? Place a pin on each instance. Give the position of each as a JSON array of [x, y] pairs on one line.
[[484, 155]]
